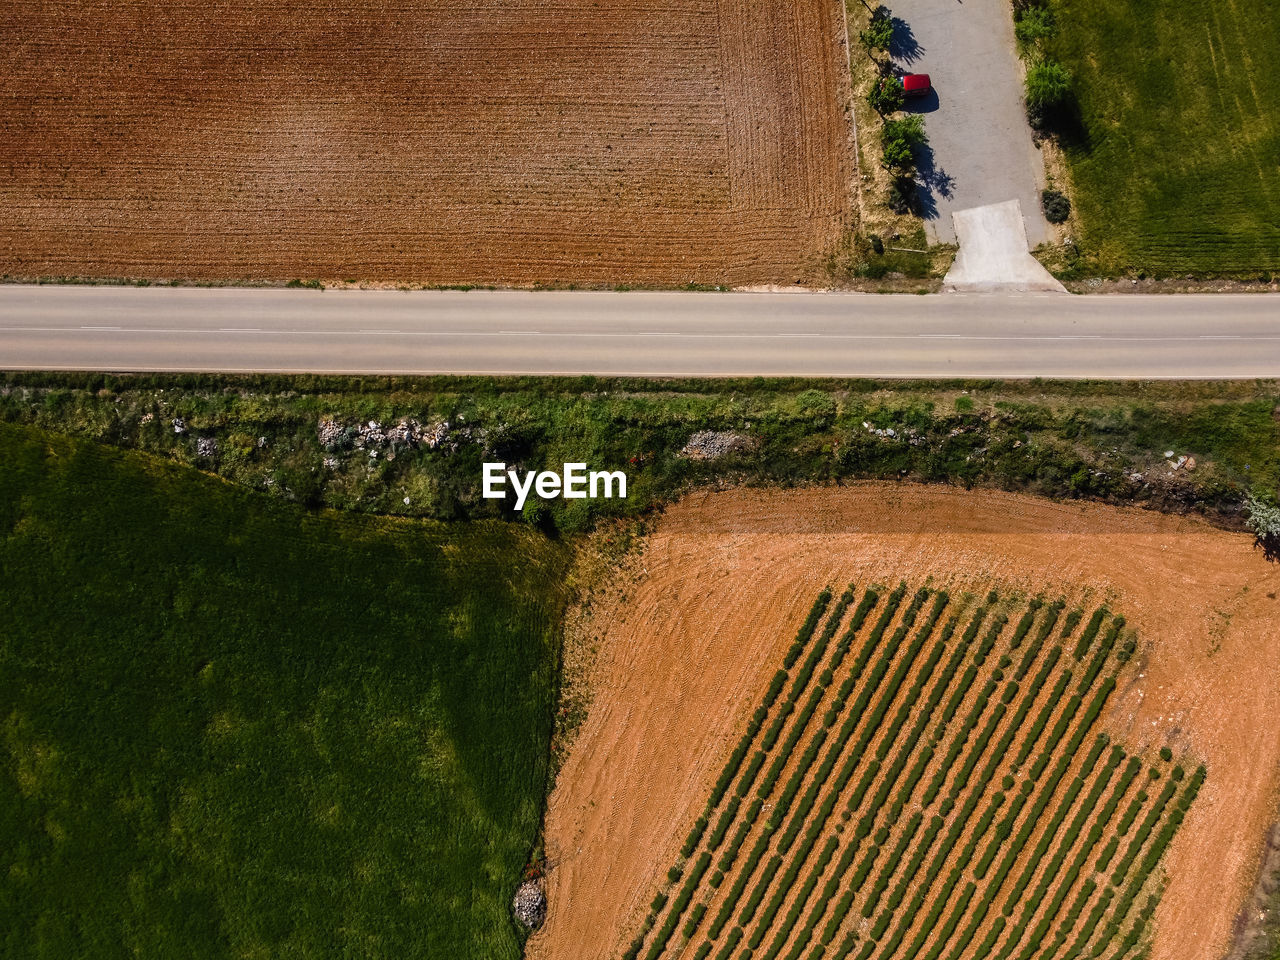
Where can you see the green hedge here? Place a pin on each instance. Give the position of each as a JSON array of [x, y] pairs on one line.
[[678, 907], [1090, 631], [807, 628], [730, 943], [1148, 824], [895, 858], [819, 649], [806, 891], [1042, 718], [1100, 658]]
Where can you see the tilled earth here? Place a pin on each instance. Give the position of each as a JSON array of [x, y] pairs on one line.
[[697, 629], [424, 142]]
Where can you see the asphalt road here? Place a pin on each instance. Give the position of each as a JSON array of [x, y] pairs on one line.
[[663, 334]]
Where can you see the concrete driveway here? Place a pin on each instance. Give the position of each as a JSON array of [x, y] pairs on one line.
[[980, 144]]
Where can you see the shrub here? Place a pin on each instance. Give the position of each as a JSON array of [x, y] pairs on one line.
[[1033, 25], [1263, 522], [899, 139], [731, 942], [886, 95], [879, 32], [695, 918], [1090, 631], [691, 841], [806, 629], [758, 891], [1048, 84], [1056, 206]]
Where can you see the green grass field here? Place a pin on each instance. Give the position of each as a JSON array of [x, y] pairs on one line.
[[1179, 171], [232, 728]]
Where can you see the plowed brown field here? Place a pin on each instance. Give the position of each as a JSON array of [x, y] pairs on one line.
[[691, 641], [429, 142]]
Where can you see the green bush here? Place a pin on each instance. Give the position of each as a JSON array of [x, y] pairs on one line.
[[691, 841], [1056, 206], [878, 34], [1090, 632], [1033, 25], [759, 890], [806, 629], [1048, 84], [886, 95], [730, 944]]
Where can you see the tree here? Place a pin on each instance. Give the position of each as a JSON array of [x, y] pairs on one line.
[[900, 137], [909, 128], [879, 32], [887, 95], [1048, 84], [897, 155]]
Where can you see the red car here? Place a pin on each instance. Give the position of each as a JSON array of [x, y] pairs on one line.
[[916, 84]]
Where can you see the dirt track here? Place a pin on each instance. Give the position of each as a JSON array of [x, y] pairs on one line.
[[727, 577], [700, 140]]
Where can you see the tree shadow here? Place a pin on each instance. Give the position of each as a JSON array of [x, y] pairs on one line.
[[1269, 544], [926, 104], [904, 47], [1064, 123], [932, 183]]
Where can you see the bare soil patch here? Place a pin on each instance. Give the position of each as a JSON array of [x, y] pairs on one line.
[[695, 633], [424, 142]]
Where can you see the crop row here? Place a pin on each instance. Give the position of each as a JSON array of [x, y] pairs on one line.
[[1162, 840], [934, 700], [678, 906], [1019, 718], [1100, 658], [868, 601], [1068, 840], [1042, 718], [1139, 838], [1037, 643], [1005, 828], [811, 882], [1090, 631], [873, 723], [847, 729], [1095, 833], [819, 649], [1122, 908], [1024, 624]]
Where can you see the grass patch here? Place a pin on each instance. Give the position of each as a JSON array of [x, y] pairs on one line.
[[1173, 152], [234, 728]]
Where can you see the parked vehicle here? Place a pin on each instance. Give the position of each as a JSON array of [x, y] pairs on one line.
[[916, 85]]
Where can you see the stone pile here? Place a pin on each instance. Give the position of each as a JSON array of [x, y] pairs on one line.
[[713, 444], [530, 904]]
